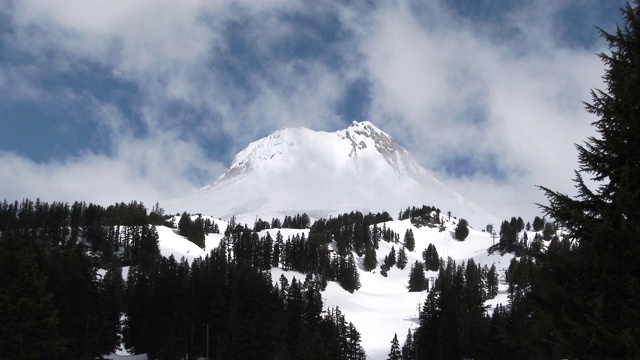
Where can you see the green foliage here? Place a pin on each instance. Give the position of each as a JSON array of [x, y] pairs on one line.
[[431, 258], [422, 213], [409, 240], [29, 325], [492, 282], [453, 324], [538, 224], [549, 231], [348, 276], [591, 275], [144, 246], [370, 261], [409, 348], [194, 230], [401, 263], [85, 307], [297, 222], [390, 259], [417, 280], [395, 353], [462, 230]]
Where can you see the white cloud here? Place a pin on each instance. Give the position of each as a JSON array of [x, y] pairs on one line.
[[445, 88], [150, 170], [453, 92]]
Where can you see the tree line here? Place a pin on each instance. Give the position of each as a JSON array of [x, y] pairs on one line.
[[575, 295], [55, 300]]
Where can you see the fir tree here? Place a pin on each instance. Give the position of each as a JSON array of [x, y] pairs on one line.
[[587, 298], [538, 224], [431, 258], [402, 259], [184, 224], [370, 258], [409, 348], [417, 279], [391, 258], [492, 282], [462, 230], [29, 325], [394, 353], [409, 240]]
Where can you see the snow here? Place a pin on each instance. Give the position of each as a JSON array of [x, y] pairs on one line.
[[173, 244], [296, 170], [127, 357], [382, 306], [323, 174]]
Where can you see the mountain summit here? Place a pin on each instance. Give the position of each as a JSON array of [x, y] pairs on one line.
[[297, 170]]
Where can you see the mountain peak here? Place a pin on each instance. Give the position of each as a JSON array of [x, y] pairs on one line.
[[362, 133], [297, 170], [359, 139]]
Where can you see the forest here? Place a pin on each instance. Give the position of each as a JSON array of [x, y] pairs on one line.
[[54, 301], [573, 288]]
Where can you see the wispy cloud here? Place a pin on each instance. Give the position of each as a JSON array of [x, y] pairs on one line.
[[492, 108]]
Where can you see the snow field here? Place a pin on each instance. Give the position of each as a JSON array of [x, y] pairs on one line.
[[382, 306]]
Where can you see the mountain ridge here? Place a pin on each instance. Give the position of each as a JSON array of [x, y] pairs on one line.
[[295, 170]]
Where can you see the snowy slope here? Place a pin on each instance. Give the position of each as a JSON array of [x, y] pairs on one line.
[[382, 307], [297, 170]]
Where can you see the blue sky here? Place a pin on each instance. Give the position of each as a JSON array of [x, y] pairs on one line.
[[111, 101]]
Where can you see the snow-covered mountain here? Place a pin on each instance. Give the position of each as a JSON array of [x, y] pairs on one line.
[[382, 307], [297, 170]]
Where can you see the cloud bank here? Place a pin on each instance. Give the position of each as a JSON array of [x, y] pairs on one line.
[[165, 93]]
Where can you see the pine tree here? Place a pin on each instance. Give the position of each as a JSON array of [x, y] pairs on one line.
[[348, 276], [29, 321], [431, 258], [409, 348], [588, 291], [391, 258], [538, 224], [196, 233], [394, 353], [402, 259], [409, 240], [370, 257], [417, 279], [462, 230], [492, 282], [184, 224]]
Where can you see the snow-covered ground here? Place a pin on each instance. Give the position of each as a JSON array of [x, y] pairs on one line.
[[296, 170], [382, 307]]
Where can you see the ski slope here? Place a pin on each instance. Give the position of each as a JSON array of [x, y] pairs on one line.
[[382, 306]]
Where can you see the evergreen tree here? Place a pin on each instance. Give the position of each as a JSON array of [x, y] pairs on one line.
[[394, 353], [144, 248], [409, 240], [538, 224], [184, 224], [409, 348], [85, 319], [588, 296], [431, 258], [29, 321], [348, 276], [417, 279], [370, 257], [113, 292], [548, 231], [462, 230], [402, 259], [492, 282], [196, 233], [391, 258]]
